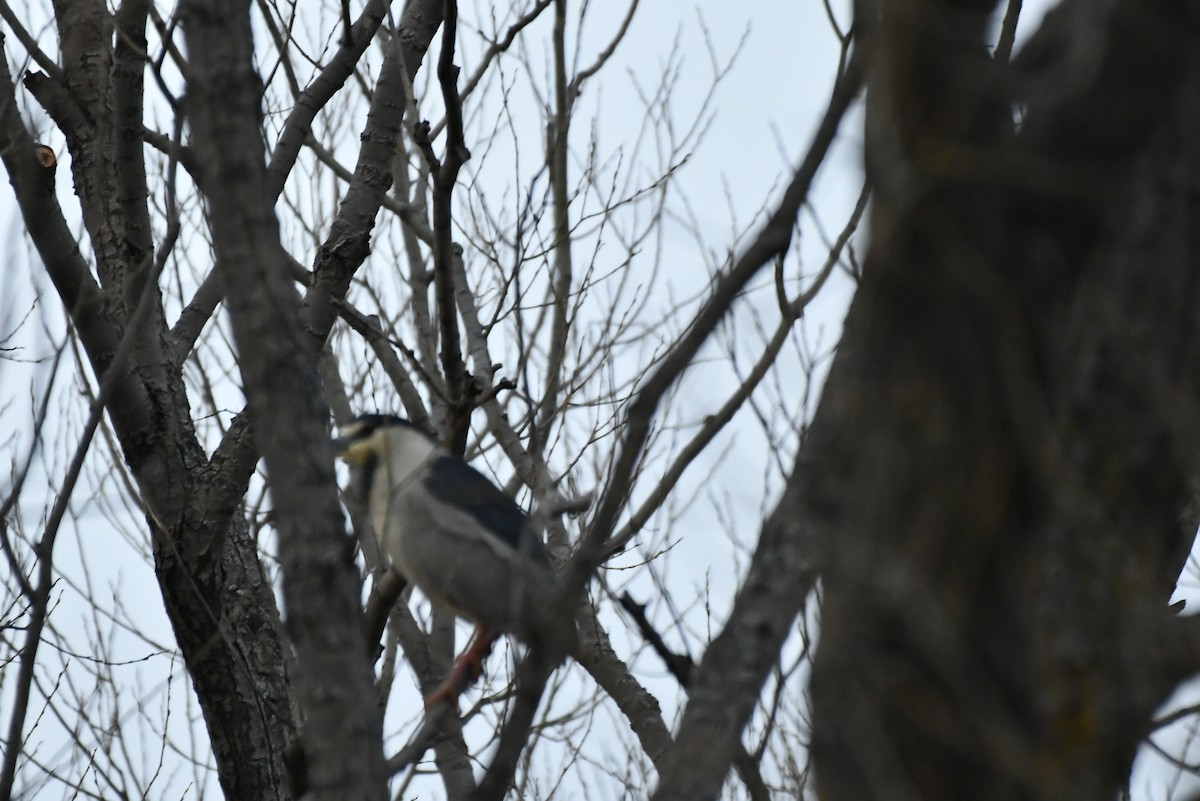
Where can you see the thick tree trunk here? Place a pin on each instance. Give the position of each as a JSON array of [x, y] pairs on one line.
[[1007, 436]]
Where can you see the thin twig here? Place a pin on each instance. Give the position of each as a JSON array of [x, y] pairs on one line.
[[774, 239], [40, 603], [1008, 32], [445, 176]]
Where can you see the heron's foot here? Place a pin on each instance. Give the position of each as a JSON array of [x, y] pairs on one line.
[[467, 668]]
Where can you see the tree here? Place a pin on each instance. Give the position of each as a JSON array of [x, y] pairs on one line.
[[1005, 519], [990, 504]]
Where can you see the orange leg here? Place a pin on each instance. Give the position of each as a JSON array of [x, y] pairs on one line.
[[467, 668]]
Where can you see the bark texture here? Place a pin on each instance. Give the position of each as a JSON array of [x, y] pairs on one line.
[[1006, 440], [334, 684]]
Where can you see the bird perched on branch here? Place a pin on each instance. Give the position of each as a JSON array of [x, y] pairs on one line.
[[451, 532]]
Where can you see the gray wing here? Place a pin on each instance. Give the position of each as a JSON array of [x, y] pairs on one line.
[[455, 482], [472, 551]]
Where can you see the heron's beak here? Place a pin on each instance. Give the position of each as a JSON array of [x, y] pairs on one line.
[[353, 451]]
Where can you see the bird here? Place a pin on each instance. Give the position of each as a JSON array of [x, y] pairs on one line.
[[451, 532]]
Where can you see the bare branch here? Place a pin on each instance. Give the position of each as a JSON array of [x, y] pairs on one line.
[[445, 175], [47, 64], [602, 58], [33, 182], [714, 423], [496, 48], [773, 239], [40, 600], [1008, 32], [323, 87]]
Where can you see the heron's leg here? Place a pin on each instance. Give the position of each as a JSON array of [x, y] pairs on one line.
[[467, 668]]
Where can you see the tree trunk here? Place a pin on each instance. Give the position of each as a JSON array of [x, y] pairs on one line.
[[1007, 436]]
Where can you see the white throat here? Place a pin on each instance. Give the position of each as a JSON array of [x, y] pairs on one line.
[[403, 455], [406, 453]]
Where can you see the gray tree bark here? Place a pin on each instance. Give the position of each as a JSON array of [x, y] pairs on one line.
[[341, 727], [1007, 438]]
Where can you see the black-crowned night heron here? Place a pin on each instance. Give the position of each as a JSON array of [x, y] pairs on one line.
[[451, 532]]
